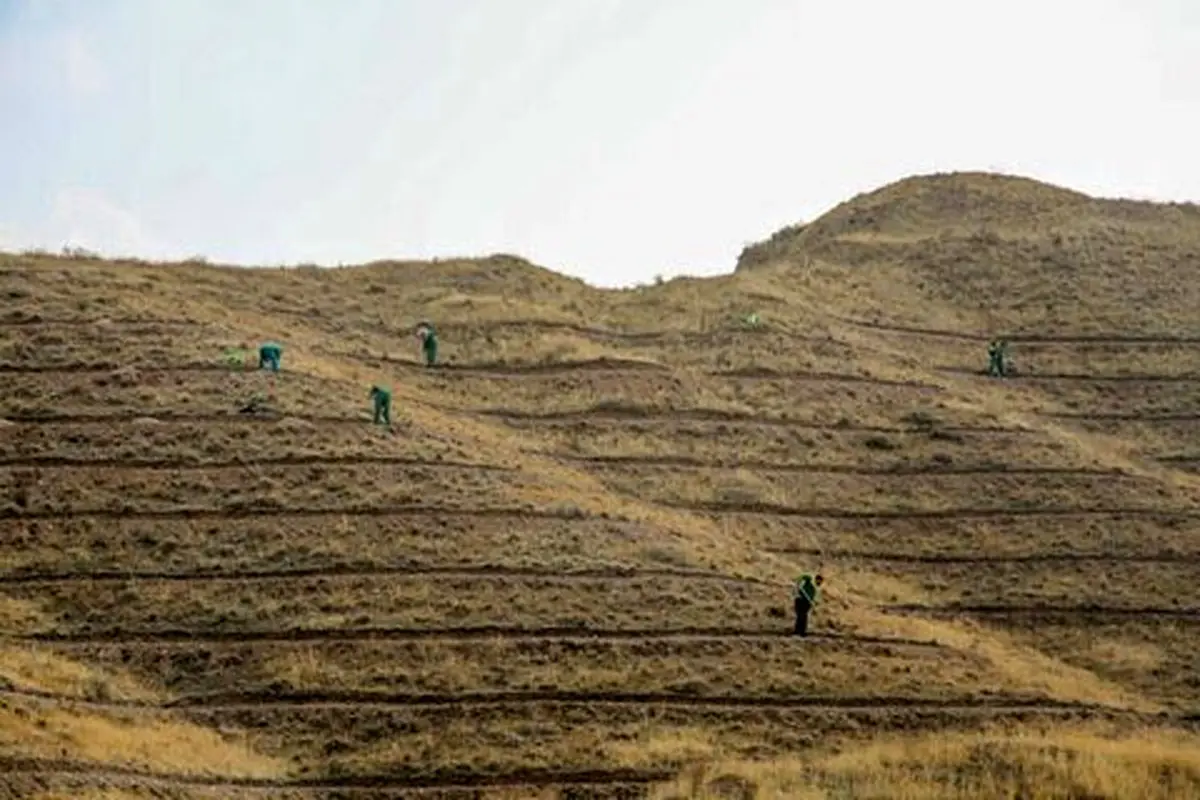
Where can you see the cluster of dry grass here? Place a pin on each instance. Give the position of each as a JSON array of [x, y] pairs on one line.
[[1039, 764], [571, 551]]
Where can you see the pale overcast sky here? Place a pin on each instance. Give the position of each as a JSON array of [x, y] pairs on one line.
[[609, 139]]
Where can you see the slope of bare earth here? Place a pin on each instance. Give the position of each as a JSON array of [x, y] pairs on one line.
[[564, 568]]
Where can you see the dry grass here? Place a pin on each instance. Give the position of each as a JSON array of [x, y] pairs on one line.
[[971, 253], [32, 730], [19, 616], [1041, 765], [39, 670]]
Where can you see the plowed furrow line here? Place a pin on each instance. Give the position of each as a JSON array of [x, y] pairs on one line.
[[639, 415], [1027, 338], [502, 370], [1035, 377], [572, 514], [499, 369], [165, 638], [950, 513], [684, 462], [1050, 611], [1031, 558], [468, 330], [164, 416], [447, 779], [766, 373], [110, 366], [482, 572], [247, 513], [266, 701], [1119, 416], [72, 322], [61, 462], [636, 416]]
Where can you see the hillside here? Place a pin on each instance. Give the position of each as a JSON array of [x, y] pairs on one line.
[[565, 569]]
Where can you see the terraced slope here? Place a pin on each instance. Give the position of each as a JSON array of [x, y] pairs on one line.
[[566, 567]]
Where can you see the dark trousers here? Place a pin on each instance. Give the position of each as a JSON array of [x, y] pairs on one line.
[[802, 609]]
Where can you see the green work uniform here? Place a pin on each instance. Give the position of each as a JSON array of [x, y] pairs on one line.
[[430, 346], [382, 399], [805, 595], [996, 359], [270, 355]]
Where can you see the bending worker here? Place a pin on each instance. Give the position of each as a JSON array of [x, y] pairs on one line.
[[382, 400], [269, 356], [805, 592]]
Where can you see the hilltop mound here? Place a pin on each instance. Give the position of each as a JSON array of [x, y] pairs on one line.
[[963, 203], [996, 254], [565, 568]]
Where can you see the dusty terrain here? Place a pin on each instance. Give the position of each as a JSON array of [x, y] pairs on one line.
[[564, 571]]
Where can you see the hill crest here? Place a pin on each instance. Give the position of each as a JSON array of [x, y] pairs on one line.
[[961, 203]]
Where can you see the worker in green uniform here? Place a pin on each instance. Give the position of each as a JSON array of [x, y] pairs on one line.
[[806, 592], [270, 355], [382, 400], [997, 358], [429, 342]]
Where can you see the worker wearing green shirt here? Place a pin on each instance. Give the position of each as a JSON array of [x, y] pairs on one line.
[[382, 400], [806, 592], [269, 356]]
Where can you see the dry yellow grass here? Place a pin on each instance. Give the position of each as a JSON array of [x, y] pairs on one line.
[[971, 254], [1041, 765], [34, 669], [31, 730]]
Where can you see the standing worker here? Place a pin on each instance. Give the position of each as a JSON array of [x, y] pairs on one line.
[[805, 592], [998, 358], [429, 342], [382, 400], [269, 356]]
